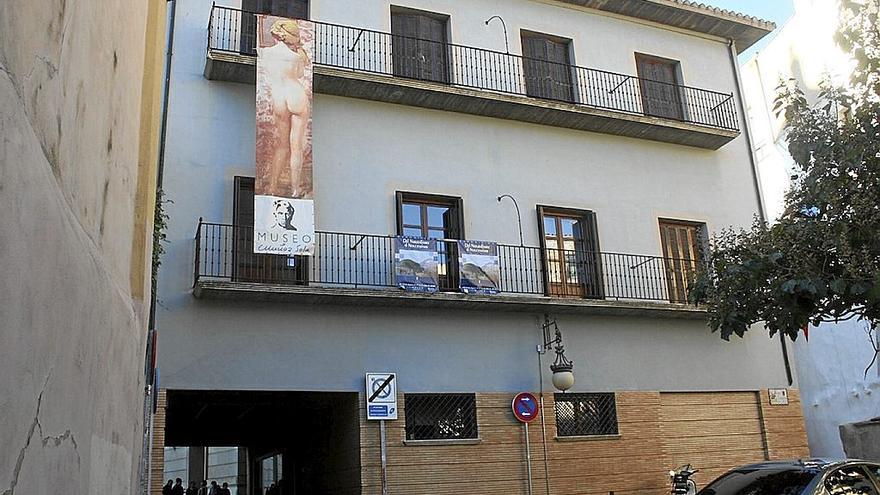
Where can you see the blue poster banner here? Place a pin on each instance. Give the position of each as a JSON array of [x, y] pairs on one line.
[[479, 270], [415, 264]]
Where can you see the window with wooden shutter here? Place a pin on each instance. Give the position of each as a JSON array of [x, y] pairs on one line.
[[432, 216], [683, 244], [294, 9], [572, 260], [419, 45], [248, 266], [547, 67], [660, 86]]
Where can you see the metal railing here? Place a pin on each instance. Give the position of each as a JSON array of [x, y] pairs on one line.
[[364, 50], [366, 261]]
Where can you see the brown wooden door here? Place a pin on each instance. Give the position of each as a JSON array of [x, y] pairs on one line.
[[659, 87], [548, 71], [294, 9], [248, 266], [419, 49], [682, 243], [571, 254]]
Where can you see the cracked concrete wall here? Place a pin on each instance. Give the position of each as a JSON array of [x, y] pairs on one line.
[[75, 278]]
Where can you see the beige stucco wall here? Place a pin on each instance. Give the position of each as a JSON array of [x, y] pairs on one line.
[[75, 188]]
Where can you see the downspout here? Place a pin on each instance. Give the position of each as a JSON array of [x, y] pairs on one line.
[[731, 46]]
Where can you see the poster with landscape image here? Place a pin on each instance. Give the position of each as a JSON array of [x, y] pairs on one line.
[[415, 264], [478, 266]]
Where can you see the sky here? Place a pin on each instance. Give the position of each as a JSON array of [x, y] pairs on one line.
[[777, 11]]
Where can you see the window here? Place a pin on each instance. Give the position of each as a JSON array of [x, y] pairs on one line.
[[571, 252], [850, 480], [440, 416], [683, 243], [433, 216], [296, 9], [248, 266], [547, 67], [660, 86], [419, 46], [585, 414]]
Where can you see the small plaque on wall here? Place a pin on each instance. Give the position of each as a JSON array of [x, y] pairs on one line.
[[778, 396]]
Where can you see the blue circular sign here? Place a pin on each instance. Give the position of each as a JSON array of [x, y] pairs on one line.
[[525, 407]]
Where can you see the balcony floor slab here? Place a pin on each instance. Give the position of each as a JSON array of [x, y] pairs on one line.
[[379, 87], [246, 291]]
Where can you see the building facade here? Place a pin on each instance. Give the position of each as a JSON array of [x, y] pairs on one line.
[[80, 104], [831, 367], [598, 144]]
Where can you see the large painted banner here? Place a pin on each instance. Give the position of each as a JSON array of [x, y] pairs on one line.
[[416, 264], [479, 270], [284, 220]]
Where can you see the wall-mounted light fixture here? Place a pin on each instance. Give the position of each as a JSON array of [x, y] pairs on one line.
[[503, 25]]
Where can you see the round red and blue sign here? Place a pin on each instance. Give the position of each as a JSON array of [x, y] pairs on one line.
[[525, 407]]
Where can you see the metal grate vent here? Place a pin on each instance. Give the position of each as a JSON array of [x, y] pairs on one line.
[[440, 416], [585, 414]]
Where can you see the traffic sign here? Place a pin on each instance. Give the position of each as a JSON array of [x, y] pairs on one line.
[[381, 395], [525, 407]]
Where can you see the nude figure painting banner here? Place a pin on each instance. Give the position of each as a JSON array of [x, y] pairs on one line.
[[284, 221]]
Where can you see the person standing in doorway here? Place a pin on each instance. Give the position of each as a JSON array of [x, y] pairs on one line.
[[192, 489], [214, 490], [177, 489], [203, 490], [166, 490]]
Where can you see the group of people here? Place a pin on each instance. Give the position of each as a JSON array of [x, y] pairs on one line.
[[176, 488]]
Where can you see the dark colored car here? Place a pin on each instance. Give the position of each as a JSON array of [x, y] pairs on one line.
[[801, 477]]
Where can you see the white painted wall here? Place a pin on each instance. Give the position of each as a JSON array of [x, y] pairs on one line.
[[831, 365], [365, 151]]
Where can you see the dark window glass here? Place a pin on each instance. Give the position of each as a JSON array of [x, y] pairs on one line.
[[585, 414], [787, 481], [850, 480], [440, 416]]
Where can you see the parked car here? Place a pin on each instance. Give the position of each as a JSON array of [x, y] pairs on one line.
[[800, 477]]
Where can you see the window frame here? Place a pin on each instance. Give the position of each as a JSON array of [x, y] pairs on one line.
[[531, 63], [597, 276], [678, 83], [472, 414], [868, 475], [449, 250], [566, 397], [701, 252], [445, 63]]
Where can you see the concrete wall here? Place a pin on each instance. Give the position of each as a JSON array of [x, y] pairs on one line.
[[75, 285], [831, 365]]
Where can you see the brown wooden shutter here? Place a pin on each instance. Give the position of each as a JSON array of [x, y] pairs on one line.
[[682, 243], [404, 31], [657, 80], [547, 68]]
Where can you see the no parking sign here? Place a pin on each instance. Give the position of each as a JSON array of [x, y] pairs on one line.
[[525, 407]]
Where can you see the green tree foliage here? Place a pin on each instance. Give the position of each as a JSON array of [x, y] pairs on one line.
[[821, 261]]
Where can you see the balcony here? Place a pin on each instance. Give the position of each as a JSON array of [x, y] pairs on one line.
[[361, 63], [358, 269]]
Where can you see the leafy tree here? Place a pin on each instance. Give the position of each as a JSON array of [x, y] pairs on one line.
[[820, 261]]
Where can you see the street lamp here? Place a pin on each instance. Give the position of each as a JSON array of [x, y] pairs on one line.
[[563, 376]]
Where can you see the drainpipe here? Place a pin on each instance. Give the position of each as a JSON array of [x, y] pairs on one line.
[[755, 179]]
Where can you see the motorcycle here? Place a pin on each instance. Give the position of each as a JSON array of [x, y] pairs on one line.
[[682, 484]]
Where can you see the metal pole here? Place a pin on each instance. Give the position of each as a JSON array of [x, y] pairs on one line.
[[543, 422], [528, 457], [384, 457]]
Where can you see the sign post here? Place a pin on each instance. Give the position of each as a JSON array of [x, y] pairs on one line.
[[381, 395], [525, 409]]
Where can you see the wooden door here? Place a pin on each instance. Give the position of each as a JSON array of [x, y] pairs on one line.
[[294, 9], [419, 48], [659, 87], [572, 260], [548, 71], [682, 243]]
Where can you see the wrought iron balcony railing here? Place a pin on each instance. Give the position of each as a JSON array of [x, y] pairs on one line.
[[366, 261], [364, 50]]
